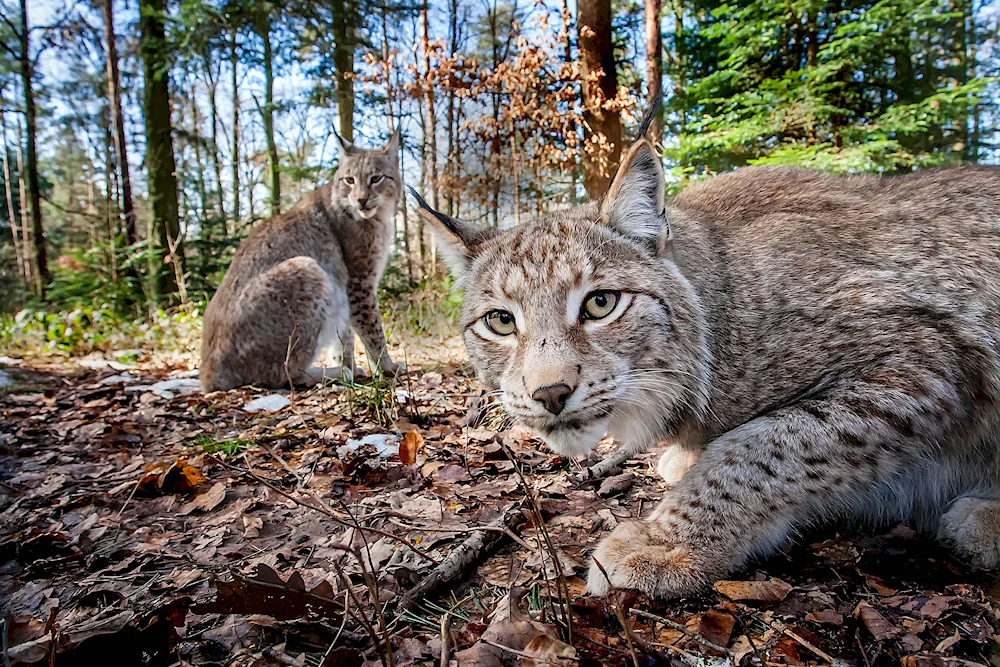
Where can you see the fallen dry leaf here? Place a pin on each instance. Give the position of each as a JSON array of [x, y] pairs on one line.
[[616, 484], [206, 501], [877, 625], [546, 650], [772, 590], [825, 616], [410, 446], [717, 626], [947, 643]]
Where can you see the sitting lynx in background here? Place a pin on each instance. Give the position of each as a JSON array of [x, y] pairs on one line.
[[828, 347], [303, 279]]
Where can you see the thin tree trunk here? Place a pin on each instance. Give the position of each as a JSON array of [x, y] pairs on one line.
[[234, 61], [20, 253], [267, 113], [199, 167], [160, 165], [22, 200], [600, 83], [118, 122], [214, 117], [432, 173], [452, 129], [654, 65], [343, 59], [31, 159]]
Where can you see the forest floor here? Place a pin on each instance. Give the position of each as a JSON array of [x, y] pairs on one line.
[[144, 523]]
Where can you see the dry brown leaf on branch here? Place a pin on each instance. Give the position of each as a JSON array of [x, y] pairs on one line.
[[410, 446], [877, 625], [206, 501], [825, 616], [772, 590]]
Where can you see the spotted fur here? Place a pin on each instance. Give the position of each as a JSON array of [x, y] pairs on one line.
[[825, 347], [304, 281]]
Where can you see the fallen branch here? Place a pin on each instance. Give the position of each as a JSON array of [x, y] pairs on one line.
[[476, 546]]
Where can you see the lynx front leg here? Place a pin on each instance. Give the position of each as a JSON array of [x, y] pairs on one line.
[[753, 484], [971, 527], [367, 322]]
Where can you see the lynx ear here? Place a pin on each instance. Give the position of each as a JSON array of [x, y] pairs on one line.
[[635, 203], [346, 147], [458, 240], [392, 146]]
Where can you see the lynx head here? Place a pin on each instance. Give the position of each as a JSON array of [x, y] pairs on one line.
[[581, 319], [368, 180]]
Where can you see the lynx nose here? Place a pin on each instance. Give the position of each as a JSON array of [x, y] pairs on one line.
[[553, 396]]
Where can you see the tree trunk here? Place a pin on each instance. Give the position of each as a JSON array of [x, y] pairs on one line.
[[22, 201], [432, 172], [20, 252], [31, 159], [213, 107], [343, 59], [164, 225], [267, 113], [452, 129], [118, 122], [234, 61], [654, 65], [597, 61]]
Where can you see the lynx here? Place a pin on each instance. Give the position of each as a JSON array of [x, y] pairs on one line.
[[819, 347], [302, 280]]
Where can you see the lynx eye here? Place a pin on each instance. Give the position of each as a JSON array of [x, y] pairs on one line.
[[500, 322], [599, 305], [376, 179], [349, 180]]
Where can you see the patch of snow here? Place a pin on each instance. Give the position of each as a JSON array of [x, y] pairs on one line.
[[271, 403], [385, 444], [121, 378], [5, 379], [9, 361], [169, 388]]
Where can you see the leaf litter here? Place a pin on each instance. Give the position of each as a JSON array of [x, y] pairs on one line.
[[143, 520]]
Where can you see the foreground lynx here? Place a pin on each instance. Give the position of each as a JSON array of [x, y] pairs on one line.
[[828, 347], [303, 279]]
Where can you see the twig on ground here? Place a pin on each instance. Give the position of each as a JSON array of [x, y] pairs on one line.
[[522, 654], [782, 628], [627, 627], [474, 547], [560, 576], [680, 628], [445, 640]]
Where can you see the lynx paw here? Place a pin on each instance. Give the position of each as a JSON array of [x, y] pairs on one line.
[[638, 556], [972, 528], [392, 368], [674, 463]]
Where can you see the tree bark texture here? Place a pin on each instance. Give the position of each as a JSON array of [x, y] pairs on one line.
[[343, 60], [43, 277], [164, 226], [118, 122], [654, 65], [600, 83]]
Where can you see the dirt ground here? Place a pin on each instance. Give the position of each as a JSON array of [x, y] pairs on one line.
[[148, 524]]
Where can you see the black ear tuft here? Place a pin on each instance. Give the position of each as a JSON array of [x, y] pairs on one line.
[[655, 107]]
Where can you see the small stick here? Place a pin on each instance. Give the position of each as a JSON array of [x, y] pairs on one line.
[[680, 628], [628, 633], [445, 640], [522, 654]]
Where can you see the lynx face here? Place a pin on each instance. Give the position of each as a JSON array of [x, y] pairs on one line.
[[368, 179], [580, 320]]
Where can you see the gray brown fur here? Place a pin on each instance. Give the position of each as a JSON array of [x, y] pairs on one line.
[[302, 280], [828, 347]]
